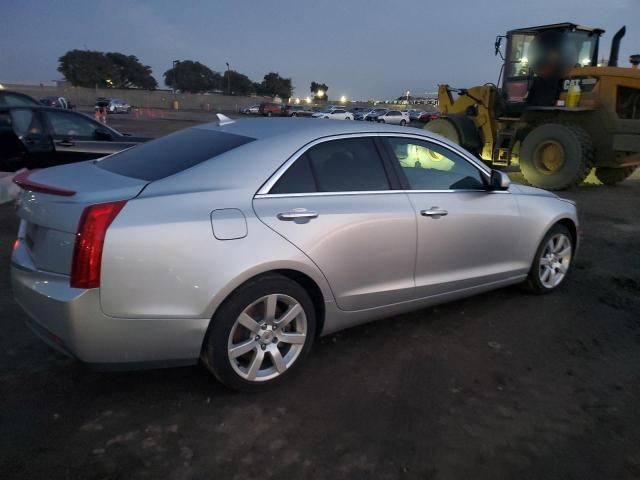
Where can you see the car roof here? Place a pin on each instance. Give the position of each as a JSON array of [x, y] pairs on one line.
[[302, 130]]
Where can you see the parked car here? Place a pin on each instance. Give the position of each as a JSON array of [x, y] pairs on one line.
[[252, 110], [39, 137], [296, 111], [362, 114], [56, 102], [118, 106], [270, 109], [394, 117], [112, 105], [234, 242], [372, 116], [334, 113], [426, 117], [10, 98], [414, 115]]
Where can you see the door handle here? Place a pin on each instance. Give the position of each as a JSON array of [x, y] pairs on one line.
[[296, 214], [434, 212]]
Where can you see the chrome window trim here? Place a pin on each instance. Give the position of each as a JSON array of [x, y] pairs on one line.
[[268, 185], [371, 192]]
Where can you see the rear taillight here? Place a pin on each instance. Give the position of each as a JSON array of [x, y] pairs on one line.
[[87, 254]]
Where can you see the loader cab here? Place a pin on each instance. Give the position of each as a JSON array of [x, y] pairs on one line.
[[538, 58]]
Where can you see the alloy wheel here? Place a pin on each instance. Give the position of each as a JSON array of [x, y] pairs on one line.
[[555, 260], [267, 337]]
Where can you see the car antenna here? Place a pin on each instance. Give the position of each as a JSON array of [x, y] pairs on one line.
[[224, 120]]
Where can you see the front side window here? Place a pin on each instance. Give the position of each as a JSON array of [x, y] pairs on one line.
[[349, 165], [427, 166], [71, 125]]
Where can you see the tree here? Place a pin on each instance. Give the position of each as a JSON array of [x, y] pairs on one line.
[[240, 84], [273, 84], [131, 73], [319, 91], [88, 68], [193, 77]]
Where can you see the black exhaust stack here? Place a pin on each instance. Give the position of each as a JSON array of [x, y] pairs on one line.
[[615, 47]]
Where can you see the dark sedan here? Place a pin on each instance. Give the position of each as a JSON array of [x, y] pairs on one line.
[[40, 137]]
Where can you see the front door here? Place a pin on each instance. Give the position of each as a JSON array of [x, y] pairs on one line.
[[336, 205], [467, 235]]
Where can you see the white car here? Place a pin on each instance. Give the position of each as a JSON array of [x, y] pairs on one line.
[[334, 113], [394, 117]]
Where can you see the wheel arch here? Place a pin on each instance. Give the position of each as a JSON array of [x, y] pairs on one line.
[[313, 282]]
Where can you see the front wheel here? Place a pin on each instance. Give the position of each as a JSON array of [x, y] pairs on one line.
[[260, 333], [403, 123], [552, 261], [556, 156], [268, 114]]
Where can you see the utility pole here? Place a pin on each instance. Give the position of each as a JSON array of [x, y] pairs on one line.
[[228, 79]]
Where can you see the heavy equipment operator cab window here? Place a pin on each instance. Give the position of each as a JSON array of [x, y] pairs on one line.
[[537, 62]]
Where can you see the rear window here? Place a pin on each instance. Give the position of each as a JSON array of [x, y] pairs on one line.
[[174, 153]]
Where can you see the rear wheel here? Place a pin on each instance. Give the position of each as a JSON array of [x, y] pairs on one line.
[[612, 175], [294, 114], [268, 114], [260, 333], [556, 156], [552, 261]]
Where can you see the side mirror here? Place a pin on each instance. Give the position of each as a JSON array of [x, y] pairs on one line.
[[102, 134], [499, 180]]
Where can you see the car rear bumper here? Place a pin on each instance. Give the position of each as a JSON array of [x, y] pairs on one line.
[[71, 321]]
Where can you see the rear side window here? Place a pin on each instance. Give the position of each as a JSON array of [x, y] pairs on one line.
[[174, 153], [350, 165]]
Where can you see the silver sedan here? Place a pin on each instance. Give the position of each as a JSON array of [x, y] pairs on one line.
[[240, 242]]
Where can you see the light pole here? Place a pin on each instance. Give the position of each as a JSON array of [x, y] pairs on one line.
[[228, 79], [175, 81], [175, 77]]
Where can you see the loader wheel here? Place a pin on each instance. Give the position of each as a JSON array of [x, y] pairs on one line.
[[459, 129], [613, 175], [444, 128], [556, 156]]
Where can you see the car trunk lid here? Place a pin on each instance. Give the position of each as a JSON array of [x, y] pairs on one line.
[[51, 204]]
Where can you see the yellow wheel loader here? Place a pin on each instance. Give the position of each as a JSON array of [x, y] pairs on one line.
[[557, 113]]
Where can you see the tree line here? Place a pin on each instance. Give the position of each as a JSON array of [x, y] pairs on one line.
[[89, 68]]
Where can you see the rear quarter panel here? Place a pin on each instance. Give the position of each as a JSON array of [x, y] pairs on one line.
[[162, 260]]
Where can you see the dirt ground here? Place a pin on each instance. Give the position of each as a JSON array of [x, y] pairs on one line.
[[500, 386]]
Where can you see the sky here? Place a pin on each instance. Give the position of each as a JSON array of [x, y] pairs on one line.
[[360, 48]]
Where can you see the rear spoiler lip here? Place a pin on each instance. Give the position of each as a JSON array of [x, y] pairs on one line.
[[23, 182]]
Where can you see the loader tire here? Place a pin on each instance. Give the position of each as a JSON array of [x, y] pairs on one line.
[[459, 129], [613, 175], [556, 156]]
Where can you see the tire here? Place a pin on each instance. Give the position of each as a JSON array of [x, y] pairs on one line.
[[268, 114], [294, 114], [556, 260], [460, 130], [556, 156], [258, 368], [403, 123], [611, 175], [381, 120]]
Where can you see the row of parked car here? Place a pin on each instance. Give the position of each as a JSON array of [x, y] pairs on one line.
[[382, 115]]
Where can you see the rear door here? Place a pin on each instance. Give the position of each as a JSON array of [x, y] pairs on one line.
[[75, 138], [467, 236], [335, 202]]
